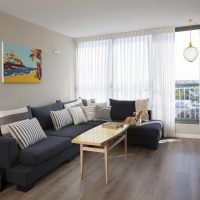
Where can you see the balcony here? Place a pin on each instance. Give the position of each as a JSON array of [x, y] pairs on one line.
[[187, 102]]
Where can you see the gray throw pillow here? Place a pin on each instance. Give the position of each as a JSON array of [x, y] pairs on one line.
[[103, 113], [10, 116]]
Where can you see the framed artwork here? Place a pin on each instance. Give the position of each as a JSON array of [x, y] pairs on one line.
[[21, 64]]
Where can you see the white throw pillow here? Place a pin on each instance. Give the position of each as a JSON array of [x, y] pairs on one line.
[[77, 115], [61, 118], [74, 104], [142, 105], [26, 132], [89, 112], [104, 104]]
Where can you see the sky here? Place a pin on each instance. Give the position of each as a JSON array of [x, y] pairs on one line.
[[184, 69], [20, 51]]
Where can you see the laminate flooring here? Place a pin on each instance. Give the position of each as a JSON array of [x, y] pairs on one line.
[[170, 173]]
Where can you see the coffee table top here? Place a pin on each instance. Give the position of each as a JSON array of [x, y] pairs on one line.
[[98, 135]]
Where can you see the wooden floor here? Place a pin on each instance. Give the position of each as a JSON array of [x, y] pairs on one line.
[[170, 173]]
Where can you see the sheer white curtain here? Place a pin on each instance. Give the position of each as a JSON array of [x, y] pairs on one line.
[[93, 64], [129, 66], [163, 79]]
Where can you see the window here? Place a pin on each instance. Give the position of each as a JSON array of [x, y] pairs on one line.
[[187, 79], [118, 68]]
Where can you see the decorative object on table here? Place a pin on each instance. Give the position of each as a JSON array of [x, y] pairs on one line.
[[190, 53], [112, 125], [136, 119], [21, 64]]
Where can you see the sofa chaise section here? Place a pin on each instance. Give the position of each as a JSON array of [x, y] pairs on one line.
[[70, 131], [148, 134]]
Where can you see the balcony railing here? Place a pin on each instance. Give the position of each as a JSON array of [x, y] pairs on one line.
[[187, 101]]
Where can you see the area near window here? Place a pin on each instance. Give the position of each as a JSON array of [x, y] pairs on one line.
[[187, 85]]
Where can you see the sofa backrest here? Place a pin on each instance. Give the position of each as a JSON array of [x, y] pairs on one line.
[[121, 109], [42, 113]]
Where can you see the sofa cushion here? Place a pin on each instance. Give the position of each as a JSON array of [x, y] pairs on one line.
[[150, 128], [121, 109], [94, 123], [42, 113], [69, 131], [44, 150]]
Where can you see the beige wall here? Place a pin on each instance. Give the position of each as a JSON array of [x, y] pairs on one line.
[[58, 70]]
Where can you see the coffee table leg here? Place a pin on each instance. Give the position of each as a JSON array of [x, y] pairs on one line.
[[125, 145], [81, 160], [106, 161]]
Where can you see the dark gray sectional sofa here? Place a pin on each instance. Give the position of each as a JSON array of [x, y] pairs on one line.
[[24, 167]]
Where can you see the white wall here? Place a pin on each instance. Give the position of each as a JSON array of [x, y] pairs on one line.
[[58, 70]]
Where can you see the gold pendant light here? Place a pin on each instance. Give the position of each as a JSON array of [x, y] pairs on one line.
[[190, 53]]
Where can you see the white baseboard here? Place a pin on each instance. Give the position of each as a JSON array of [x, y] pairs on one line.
[[187, 135]]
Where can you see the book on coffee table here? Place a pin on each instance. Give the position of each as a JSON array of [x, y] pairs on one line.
[[112, 125]]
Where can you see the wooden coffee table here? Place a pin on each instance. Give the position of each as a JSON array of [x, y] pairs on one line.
[[101, 140]]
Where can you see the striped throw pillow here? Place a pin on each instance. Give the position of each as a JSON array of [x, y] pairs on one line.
[[61, 118], [10, 116], [77, 115], [104, 104], [89, 112], [88, 102], [26, 132]]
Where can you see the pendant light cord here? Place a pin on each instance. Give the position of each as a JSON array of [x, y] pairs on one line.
[[190, 23]]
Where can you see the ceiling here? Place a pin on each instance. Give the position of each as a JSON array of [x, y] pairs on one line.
[[78, 18]]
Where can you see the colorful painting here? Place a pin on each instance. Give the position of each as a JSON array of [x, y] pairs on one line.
[[21, 64]]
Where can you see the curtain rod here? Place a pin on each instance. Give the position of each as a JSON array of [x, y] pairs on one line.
[[187, 28]]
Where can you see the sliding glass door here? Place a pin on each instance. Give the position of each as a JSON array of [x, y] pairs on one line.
[[187, 86]]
